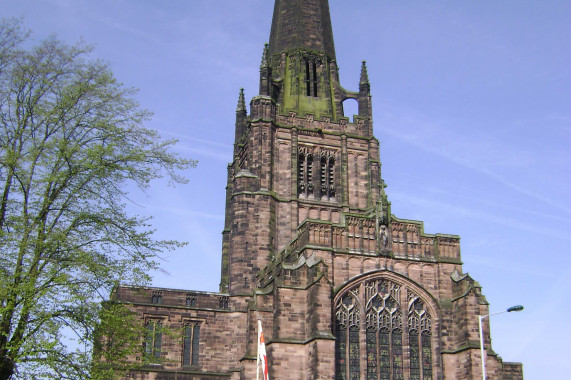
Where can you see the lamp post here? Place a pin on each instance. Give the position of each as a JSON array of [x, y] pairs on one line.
[[480, 318]]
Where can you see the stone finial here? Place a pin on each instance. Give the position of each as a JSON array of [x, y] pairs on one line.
[[265, 56], [241, 102], [364, 85], [364, 75]]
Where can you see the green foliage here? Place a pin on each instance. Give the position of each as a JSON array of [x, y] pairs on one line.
[[71, 139], [117, 339]]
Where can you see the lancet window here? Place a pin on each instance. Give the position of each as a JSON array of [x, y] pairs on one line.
[[347, 348], [190, 300], [157, 297], [393, 326], [153, 340], [191, 344], [419, 329], [311, 77]]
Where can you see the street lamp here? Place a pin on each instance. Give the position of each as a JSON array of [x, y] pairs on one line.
[[480, 318]]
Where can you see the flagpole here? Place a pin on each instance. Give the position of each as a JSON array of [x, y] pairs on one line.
[[258, 353]]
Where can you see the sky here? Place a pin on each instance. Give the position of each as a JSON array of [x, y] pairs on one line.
[[471, 105]]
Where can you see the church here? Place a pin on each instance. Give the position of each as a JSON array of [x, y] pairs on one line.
[[343, 288]]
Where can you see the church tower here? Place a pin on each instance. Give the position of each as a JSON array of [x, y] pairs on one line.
[[296, 157], [344, 289]]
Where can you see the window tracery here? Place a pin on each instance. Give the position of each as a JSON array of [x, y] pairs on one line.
[[419, 326], [395, 326], [347, 352]]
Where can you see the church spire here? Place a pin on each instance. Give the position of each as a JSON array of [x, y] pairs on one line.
[[302, 24]]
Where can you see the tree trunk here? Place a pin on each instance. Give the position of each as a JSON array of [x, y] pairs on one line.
[[6, 367]]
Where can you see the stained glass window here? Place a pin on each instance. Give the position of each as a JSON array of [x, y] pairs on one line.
[[341, 352], [354, 357], [387, 339], [414, 355], [426, 356], [384, 355], [397, 355], [371, 354]]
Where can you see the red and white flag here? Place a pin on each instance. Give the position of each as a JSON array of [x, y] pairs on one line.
[[262, 362]]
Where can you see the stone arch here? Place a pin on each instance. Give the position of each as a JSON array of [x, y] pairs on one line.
[[396, 277], [394, 319], [350, 107]]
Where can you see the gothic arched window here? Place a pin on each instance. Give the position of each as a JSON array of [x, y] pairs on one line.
[[347, 349], [419, 330], [190, 343], [153, 340], [394, 326]]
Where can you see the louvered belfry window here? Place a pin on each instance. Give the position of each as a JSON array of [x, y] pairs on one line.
[[327, 178], [305, 173], [311, 77]]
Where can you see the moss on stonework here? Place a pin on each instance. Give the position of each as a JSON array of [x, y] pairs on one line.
[[294, 98]]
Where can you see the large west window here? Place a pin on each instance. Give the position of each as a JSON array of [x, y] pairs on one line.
[[395, 327]]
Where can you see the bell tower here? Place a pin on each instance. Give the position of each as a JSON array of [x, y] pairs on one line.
[[296, 157]]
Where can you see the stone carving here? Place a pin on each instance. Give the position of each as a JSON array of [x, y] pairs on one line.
[[384, 237]]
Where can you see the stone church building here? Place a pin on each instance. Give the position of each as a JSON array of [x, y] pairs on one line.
[[344, 289]]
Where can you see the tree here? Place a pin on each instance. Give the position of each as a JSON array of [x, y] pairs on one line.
[[71, 140]]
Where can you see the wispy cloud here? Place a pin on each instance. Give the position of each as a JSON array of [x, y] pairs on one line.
[[201, 147], [477, 152], [189, 212], [446, 208]]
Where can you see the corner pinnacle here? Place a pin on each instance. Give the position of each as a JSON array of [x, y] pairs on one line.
[[241, 102], [364, 74], [265, 54]]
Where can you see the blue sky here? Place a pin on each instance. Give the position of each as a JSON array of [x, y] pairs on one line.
[[471, 106]]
